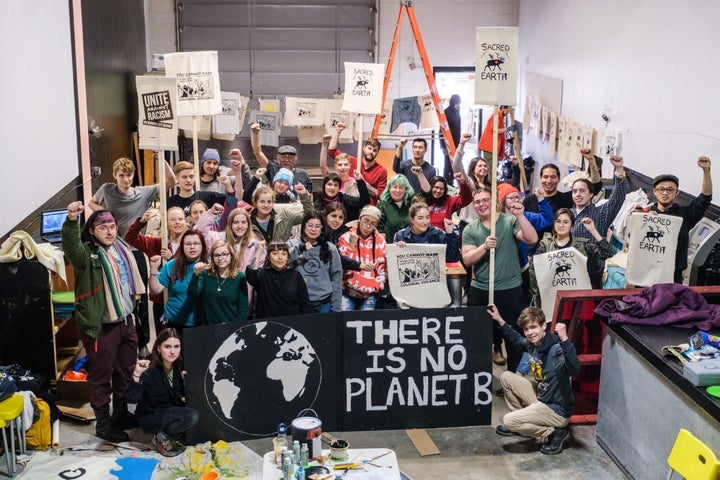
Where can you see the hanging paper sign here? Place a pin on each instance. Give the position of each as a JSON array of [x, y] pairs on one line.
[[198, 82], [157, 122], [226, 125], [496, 67], [416, 275], [334, 114], [363, 87], [304, 112], [564, 269], [651, 248]]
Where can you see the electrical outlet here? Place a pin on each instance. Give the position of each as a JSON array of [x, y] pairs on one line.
[[95, 172]]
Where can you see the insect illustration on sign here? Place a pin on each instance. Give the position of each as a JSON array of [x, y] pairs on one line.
[[494, 63], [653, 235], [562, 269]]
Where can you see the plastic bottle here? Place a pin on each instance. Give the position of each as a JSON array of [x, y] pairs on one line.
[[296, 452], [282, 431], [300, 475], [304, 455], [287, 469]]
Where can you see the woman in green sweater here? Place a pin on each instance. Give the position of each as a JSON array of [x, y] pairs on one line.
[[220, 287]]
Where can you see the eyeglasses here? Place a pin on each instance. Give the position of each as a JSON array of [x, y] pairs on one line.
[[515, 196], [106, 226], [368, 222], [665, 189], [221, 255], [313, 226], [192, 244], [481, 201]]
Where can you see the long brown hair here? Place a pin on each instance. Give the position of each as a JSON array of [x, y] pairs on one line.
[[234, 263], [238, 245], [180, 268], [163, 336]]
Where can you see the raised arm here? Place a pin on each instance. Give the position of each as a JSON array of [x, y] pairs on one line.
[[704, 163], [398, 155], [170, 179], [256, 146], [323, 155], [335, 137], [457, 159]]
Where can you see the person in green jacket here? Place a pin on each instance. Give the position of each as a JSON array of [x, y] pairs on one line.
[[220, 286], [394, 205], [107, 283]]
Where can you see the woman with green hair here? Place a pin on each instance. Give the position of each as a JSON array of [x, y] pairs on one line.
[[395, 206]]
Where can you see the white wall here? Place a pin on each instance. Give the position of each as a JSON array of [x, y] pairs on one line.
[[649, 63], [448, 31], [38, 120]]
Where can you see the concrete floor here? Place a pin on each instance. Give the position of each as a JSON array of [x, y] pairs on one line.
[[466, 453]]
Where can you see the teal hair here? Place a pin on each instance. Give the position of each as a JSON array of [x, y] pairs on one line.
[[402, 180]]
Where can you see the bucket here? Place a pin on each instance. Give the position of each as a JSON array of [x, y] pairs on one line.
[[308, 430]]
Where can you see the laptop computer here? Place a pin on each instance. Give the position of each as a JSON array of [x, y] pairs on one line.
[[51, 222]]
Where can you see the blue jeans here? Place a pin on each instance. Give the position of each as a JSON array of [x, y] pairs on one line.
[[350, 303]]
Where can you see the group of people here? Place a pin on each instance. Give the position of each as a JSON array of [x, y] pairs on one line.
[[257, 245]]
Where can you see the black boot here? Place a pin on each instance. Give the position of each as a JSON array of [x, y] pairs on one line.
[[121, 417], [105, 429]]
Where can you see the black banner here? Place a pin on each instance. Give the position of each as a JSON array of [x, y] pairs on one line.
[[374, 370]]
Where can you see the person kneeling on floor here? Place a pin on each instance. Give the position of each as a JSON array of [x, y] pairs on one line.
[[540, 409], [159, 391]]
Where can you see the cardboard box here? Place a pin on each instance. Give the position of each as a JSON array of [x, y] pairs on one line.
[[73, 390]]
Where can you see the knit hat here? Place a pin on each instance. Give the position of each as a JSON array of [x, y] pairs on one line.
[[371, 211], [666, 177], [285, 175], [287, 149], [210, 154], [505, 189]]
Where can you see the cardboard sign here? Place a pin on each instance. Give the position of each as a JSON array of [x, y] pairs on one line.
[[496, 67], [363, 87], [157, 111], [416, 275], [564, 269], [651, 248], [197, 82]]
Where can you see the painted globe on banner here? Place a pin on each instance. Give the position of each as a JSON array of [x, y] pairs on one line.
[[245, 398]]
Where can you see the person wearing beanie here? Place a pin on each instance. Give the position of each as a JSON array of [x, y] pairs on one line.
[[210, 170], [286, 158], [364, 244], [665, 189]]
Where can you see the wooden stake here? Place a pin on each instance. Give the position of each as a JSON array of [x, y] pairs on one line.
[[163, 202], [493, 204], [195, 154]]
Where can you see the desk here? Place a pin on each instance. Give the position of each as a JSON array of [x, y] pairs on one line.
[[455, 275], [644, 400], [271, 471]]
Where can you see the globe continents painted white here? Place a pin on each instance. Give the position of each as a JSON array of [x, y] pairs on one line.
[[263, 373]]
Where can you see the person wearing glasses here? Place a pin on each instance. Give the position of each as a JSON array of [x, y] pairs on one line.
[[175, 275], [220, 286], [602, 216], [476, 245], [666, 191], [318, 261], [107, 283]]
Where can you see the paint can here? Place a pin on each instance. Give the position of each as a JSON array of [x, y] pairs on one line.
[[308, 430]]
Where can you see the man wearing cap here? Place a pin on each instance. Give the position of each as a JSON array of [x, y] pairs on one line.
[[665, 189], [374, 174], [287, 156], [210, 170], [107, 282]]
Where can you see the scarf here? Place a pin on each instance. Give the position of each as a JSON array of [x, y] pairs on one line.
[[112, 280]]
